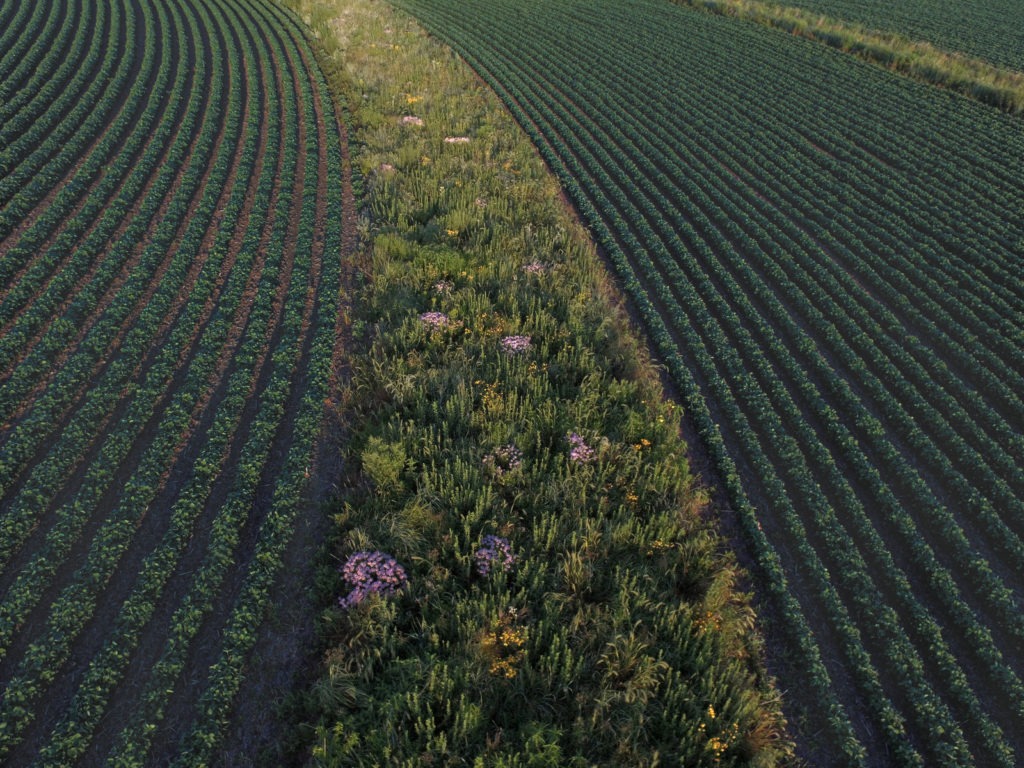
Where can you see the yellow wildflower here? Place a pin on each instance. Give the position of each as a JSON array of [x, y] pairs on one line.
[[504, 645]]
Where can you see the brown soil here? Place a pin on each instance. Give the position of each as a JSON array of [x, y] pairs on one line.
[[180, 708], [285, 647], [85, 648], [117, 109], [93, 638], [88, 322], [284, 637]]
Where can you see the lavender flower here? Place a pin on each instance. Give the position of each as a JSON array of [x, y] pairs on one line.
[[444, 287], [579, 451], [494, 552], [505, 459], [534, 268], [371, 572], [434, 319], [515, 345]]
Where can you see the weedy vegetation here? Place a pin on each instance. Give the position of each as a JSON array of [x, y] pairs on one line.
[[565, 599]]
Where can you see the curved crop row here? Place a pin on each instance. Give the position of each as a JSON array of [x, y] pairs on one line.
[[171, 275]]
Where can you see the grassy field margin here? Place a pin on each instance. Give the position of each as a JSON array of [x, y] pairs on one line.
[[564, 598], [969, 76]]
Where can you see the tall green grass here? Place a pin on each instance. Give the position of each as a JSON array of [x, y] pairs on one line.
[[617, 634]]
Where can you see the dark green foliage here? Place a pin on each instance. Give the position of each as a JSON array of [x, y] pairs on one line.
[[169, 353], [949, 68], [992, 30]]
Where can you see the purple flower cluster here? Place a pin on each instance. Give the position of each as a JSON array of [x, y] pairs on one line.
[[507, 458], [369, 572], [579, 451], [515, 345], [494, 552], [443, 287], [434, 319], [534, 268]]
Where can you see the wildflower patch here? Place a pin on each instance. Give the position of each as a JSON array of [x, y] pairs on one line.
[[494, 554], [516, 345], [371, 573]]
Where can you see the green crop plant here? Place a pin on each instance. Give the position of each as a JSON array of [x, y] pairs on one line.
[[170, 290]]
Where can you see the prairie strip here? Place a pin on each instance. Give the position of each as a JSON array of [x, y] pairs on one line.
[[498, 398]]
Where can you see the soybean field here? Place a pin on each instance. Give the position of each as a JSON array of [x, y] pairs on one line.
[[989, 29], [171, 229], [829, 260]]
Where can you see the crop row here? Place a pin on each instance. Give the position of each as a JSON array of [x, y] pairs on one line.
[[105, 671], [104, 394], [782, 452], [135, 496], [91, 183], [39, 148], [21, 57], [990, 30], [239, 511], [320, 313], [800, 286], [59, 59], [20, 30], [799, 340], [132, 179], [191, 295]]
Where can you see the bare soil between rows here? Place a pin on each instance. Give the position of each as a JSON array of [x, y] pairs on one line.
[[279, 659], [285, 659]]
